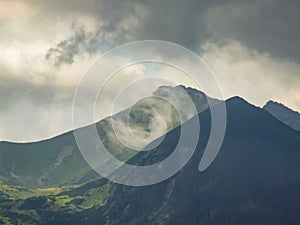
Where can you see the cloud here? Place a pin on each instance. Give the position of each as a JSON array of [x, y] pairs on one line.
[[255, 76], [8, 10], [79, 43], [28, 104], [90, 39], [46, 46], [267, 26]]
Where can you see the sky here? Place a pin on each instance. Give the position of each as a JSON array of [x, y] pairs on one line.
[[46, 47]]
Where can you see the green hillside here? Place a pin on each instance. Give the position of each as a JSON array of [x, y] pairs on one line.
[[254, 180], [58, 162]]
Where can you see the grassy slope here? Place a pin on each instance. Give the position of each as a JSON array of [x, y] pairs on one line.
[[254, 180], [39, 164]]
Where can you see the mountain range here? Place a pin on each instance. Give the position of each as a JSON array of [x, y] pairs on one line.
[[255, 178]]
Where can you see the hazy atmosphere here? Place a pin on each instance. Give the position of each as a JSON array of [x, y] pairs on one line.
[[46, 46], [147, 112]]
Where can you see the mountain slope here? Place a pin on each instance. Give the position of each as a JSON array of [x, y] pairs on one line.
[[255, 179], [284, 114], [58, 162]]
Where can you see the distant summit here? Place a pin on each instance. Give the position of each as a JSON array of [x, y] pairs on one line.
[[284, 114]]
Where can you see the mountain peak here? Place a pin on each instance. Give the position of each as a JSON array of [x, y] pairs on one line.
[[165, 88], [237, 99], [284, 114], [272, 103]]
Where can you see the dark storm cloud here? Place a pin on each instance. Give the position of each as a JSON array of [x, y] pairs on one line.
[[268, 26], [113, 18], [84, 41], [134, 20], [66, 50], [80, 42]]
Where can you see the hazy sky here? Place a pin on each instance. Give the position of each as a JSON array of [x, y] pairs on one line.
[[46, 46]]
